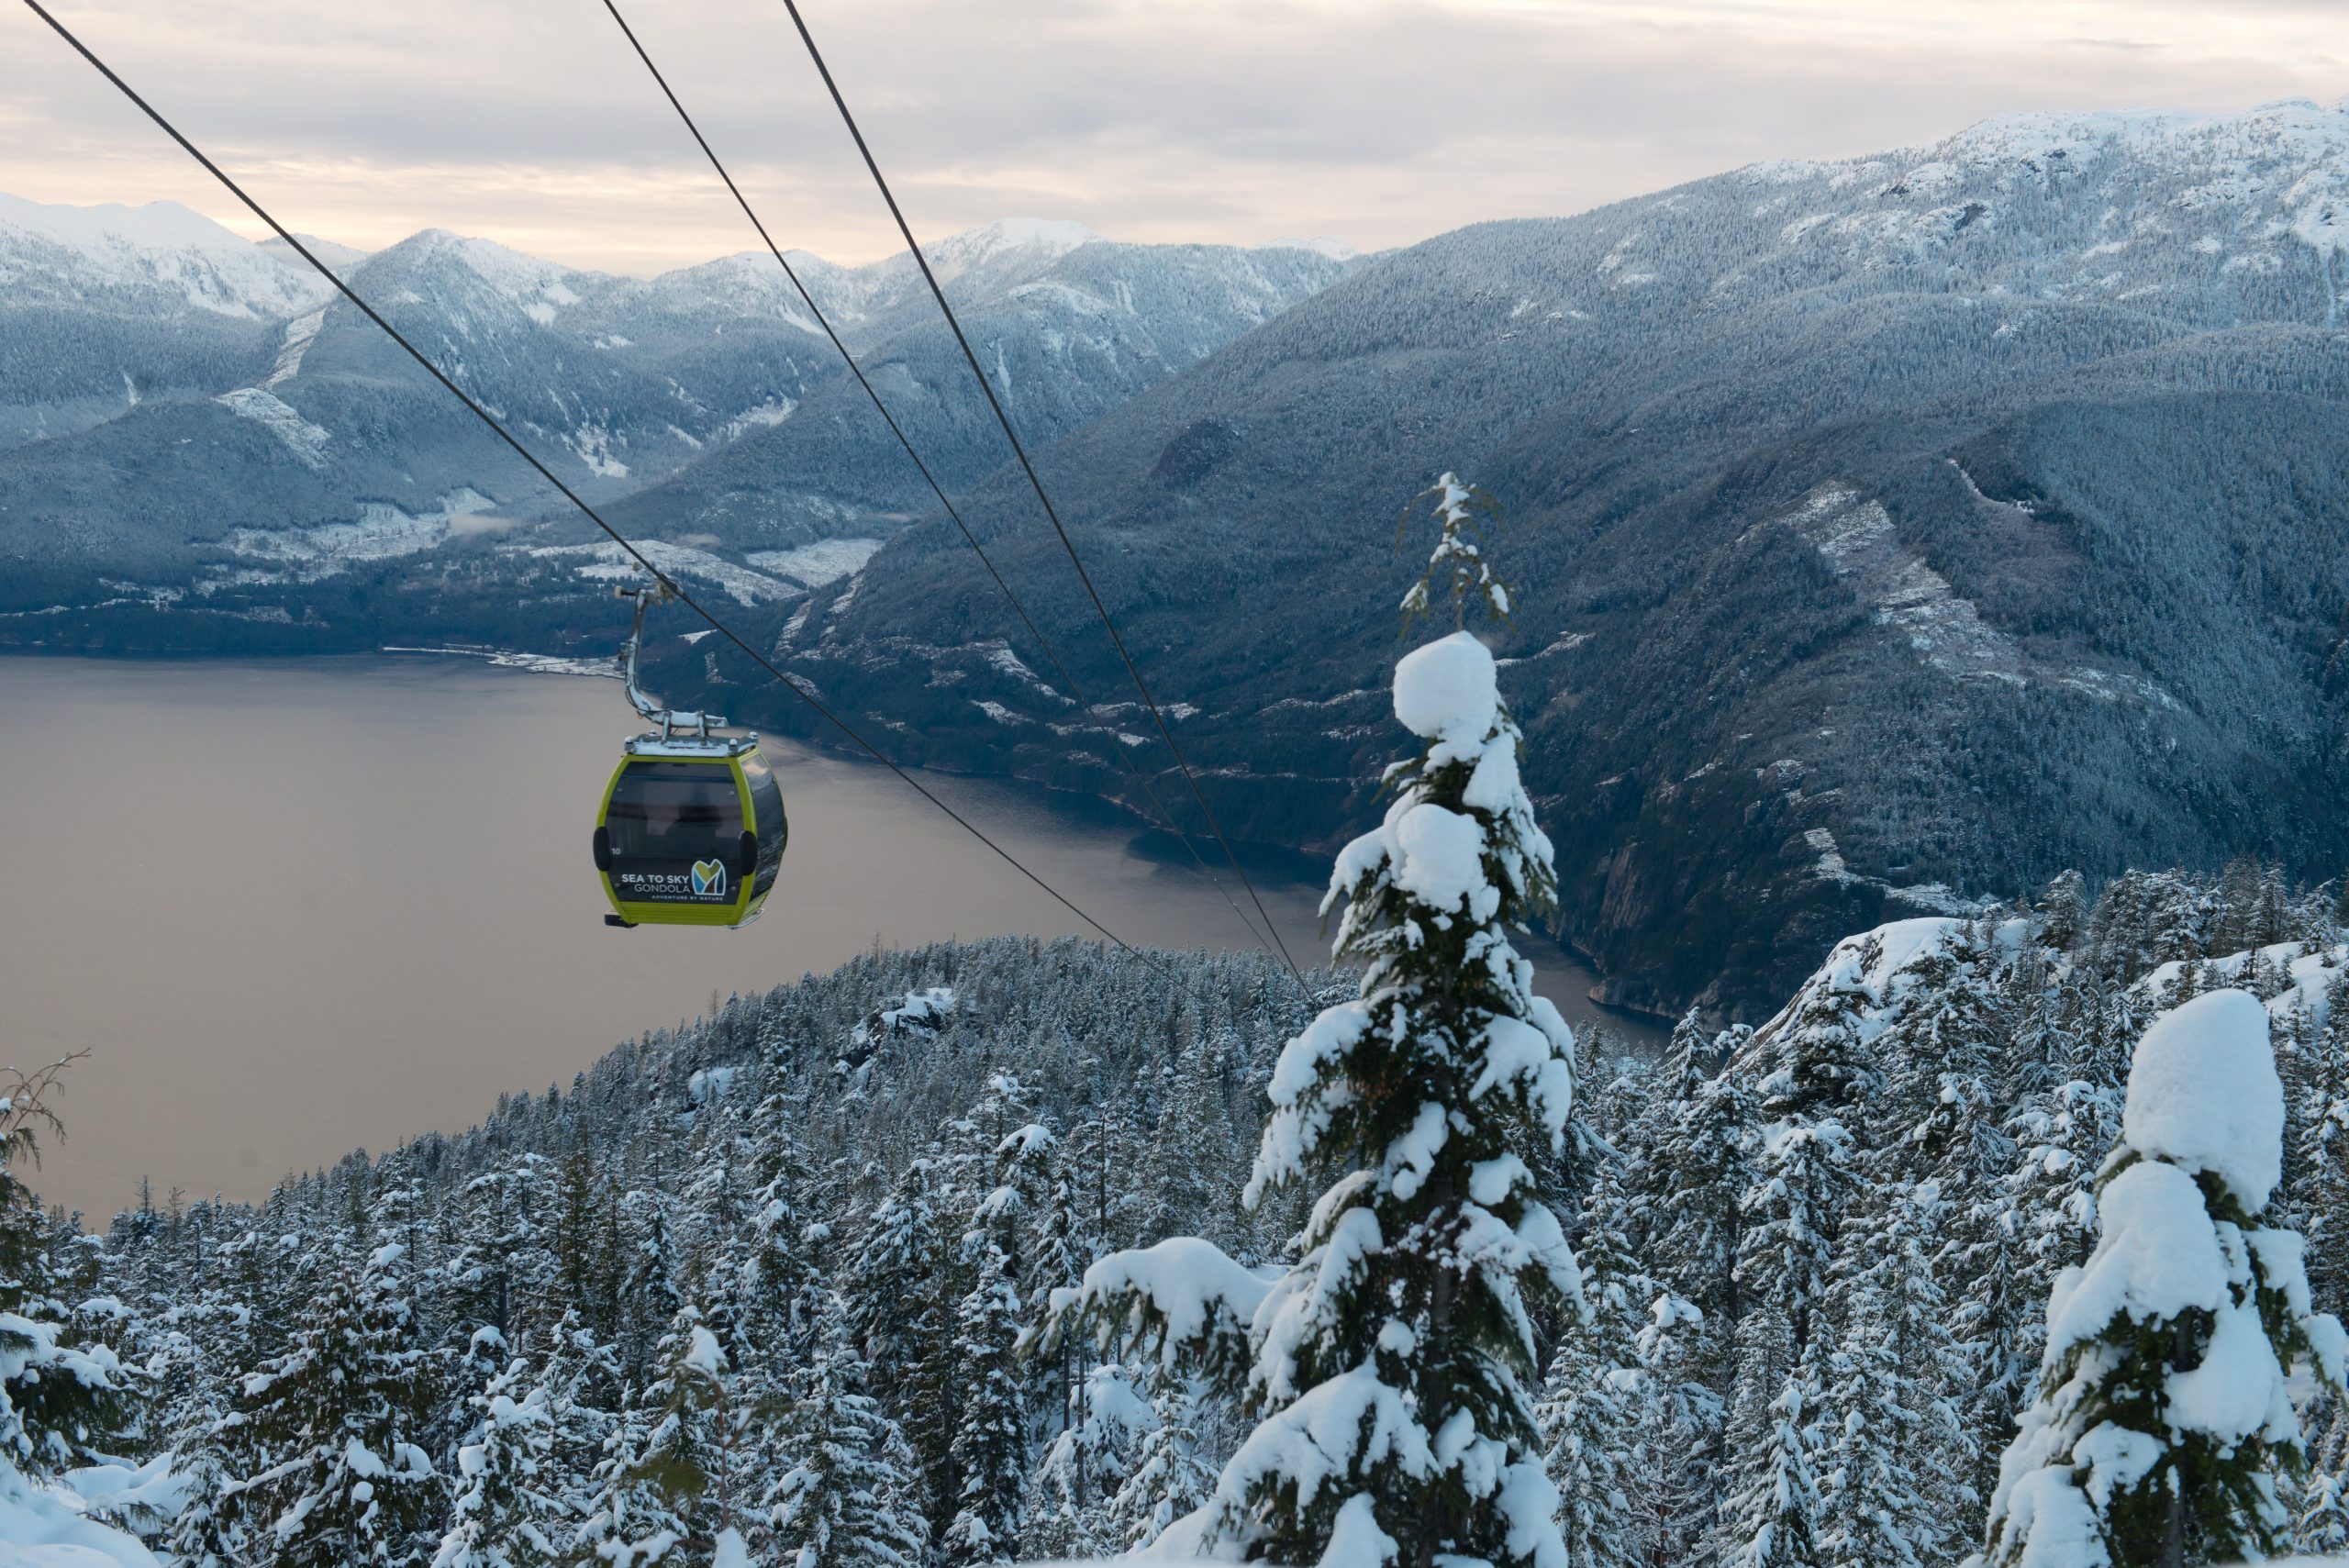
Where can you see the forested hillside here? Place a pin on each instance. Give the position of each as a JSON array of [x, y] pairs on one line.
[[748, 1259], [1898, 531]]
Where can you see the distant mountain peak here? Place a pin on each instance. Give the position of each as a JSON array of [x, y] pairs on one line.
[[1322, 245], [2281, 131], [2282, 127], [541, 288], [1019, 233], [1027, 236], [159, 249]]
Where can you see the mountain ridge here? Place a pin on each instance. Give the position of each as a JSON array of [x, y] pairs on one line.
[[307, 426], [1752, 733]]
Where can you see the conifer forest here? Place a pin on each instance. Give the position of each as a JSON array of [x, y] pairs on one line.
[[2013, 1238]]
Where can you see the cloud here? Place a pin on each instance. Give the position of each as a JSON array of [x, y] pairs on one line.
[[1378, 121]]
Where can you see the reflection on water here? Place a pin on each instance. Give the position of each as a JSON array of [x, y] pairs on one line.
[[297, 908]]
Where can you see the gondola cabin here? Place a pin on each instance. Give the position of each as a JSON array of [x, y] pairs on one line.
[[692, 832]]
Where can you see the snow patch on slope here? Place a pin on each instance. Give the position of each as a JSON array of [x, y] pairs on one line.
[[44, 1529], [381, 532], [300, 333], [774, 411], [825, 561], [307, 441], [1857, 539], [607, 563]]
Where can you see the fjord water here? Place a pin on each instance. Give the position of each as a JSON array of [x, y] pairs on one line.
[[291, 909]]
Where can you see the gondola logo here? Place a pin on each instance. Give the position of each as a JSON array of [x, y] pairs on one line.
[[709, 879]]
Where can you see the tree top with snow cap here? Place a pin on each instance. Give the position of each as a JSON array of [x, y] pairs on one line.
[[2204, 1096]]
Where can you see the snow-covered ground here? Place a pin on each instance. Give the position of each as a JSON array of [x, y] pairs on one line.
[[381, 532], [608, 562], [42, 1527], [825, 561]]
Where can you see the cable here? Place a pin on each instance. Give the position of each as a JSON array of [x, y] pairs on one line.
[[1118, 748], [524, 452], [1035, 483]]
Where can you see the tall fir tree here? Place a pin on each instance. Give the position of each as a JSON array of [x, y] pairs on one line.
[[990, 1448], [852, 1498], [1595, 1412], [1895, 1450], [1171, 1476], [2323, 1170], [61, 1396], [2165, 1419], [339, 1414], [1398, 1350], [1692, 1179], [1385, 1374], [901, 1315], [508, 1511], [1803, 1182], [1770, 1512]]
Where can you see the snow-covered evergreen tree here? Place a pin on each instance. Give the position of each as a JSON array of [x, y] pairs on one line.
[[901, 1316], [1770, 1516], [1803, 1182], [1894, 1449], [1593, 1414], [507, 1513], [631, 1516], [1683, 1452], [1391, 1362], [1171, 1477], [2063, 912], [339, 1414], [60, 1396], [648, 1295], [1386, 1373], [2321, 1521], [690, 1454], [2323, 1164], [1186, 1183], [1692, 1178], [990, 1448], [851, 1500], [1085, 1463], [2165, 1416]]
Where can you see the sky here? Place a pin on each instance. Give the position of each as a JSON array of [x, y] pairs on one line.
[[1376, 122]]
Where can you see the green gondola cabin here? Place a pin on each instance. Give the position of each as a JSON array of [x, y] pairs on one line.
[[692, 829], [692, 832]]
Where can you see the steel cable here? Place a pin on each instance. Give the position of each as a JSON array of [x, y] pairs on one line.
[[573, 497]]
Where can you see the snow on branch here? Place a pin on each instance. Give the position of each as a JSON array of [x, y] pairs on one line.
[[1184, 1295], [1464, 511]]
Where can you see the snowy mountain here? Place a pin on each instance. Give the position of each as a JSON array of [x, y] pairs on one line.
[[103, 307], [161, 257], [1887, 531], [193, 453]]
